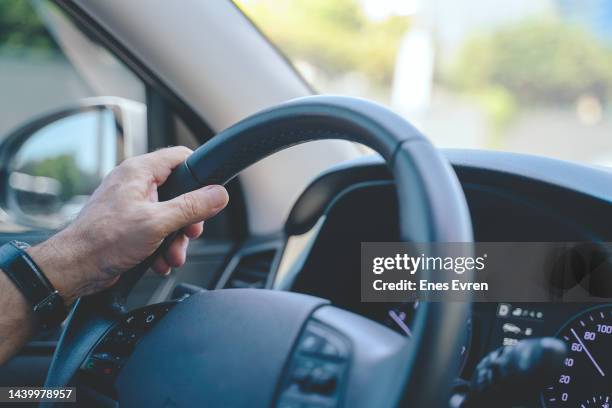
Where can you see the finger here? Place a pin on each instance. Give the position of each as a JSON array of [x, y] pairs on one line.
[[160, 266], [194, 231], [191, 208], [177, 252], [160, 163]]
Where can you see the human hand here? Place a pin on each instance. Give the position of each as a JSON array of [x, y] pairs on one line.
[[123, 223]]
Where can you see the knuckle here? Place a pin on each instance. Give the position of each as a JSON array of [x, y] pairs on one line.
[[116, 172], [147, 214], [157, 226], [129, 165]]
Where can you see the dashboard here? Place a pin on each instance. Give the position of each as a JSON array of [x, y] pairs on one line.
[[525, 199]]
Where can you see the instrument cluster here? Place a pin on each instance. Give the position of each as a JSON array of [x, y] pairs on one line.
[[587, 331]]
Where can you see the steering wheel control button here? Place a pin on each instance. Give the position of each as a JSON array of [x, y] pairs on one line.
[[323, 379], [311, 343], [317, 367], [318, 340], [103, 356], [103, 364], [330, 349], [302, 370]]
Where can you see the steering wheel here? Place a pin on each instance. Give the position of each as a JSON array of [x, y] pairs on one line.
[[254, 347]]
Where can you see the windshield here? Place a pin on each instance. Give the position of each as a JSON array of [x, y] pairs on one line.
[[532, 76]]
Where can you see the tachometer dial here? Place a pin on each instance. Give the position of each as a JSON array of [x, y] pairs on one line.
[[587, 373]]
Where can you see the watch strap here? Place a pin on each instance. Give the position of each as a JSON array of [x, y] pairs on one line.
[[46, 302]]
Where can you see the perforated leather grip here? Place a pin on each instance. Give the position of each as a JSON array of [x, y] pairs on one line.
[[299, 121]]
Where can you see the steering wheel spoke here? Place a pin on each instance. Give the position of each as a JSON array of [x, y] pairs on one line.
[[343, 359], [102, 365]]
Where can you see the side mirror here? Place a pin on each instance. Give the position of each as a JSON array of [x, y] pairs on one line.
[[51, 165]]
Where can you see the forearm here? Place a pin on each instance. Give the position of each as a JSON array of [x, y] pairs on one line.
[[17, 322]]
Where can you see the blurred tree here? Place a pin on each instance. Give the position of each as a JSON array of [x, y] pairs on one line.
[[541, 61], [334, 36], [22, 30], [64, 168]]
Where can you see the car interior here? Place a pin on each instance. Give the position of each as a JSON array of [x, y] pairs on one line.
[[271, 292]]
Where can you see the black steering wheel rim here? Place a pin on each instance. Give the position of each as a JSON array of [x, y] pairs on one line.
[[431, 204]]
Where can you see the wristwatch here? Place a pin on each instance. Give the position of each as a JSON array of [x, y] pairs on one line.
[[47, 304]]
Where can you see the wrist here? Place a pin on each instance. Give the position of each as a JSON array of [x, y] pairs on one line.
[[64, 262]]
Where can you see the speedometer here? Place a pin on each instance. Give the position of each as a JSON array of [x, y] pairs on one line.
[[586, 379]]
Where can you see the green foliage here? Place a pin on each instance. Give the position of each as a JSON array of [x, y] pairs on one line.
[[22, 30], [335, 36], [499, 105], [541, 61], [64, 169]]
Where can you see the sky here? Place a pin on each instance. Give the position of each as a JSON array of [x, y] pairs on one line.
[[75, 135]]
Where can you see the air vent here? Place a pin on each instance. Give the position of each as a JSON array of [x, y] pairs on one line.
[[252, 270]]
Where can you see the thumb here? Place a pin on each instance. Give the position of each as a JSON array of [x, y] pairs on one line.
[[193, 207]]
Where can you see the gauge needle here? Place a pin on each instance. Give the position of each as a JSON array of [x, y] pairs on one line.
[[400, 323], [586, 350]]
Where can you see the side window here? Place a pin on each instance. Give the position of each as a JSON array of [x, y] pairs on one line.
[[47, 64]]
